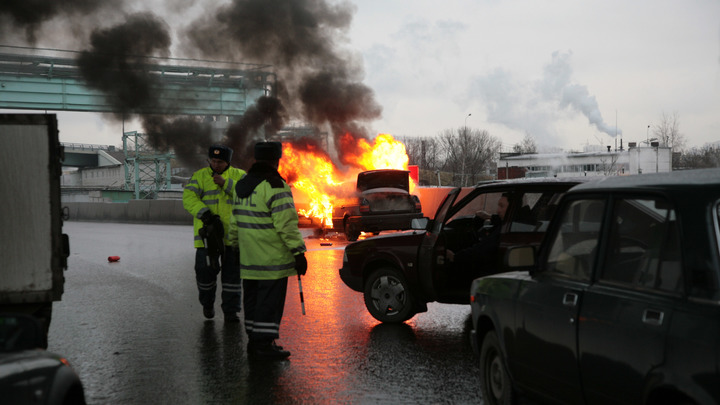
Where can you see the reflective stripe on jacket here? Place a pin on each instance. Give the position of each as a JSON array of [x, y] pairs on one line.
[[202, 194], [266, 223]]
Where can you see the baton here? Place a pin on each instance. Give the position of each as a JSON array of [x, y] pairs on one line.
[[302, 300]]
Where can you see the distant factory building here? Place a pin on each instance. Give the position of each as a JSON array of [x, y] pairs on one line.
[[593, 161]]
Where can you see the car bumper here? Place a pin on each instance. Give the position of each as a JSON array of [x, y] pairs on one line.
[[385, 222], [474, 342], [351, 280]]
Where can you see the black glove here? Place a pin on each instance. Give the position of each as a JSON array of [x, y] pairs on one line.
[[206, 217], [213, 234], [301, 264]]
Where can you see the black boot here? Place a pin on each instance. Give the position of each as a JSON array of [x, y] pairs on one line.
[[267, 350]]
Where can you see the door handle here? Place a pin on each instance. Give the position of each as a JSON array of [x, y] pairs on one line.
[[570, 299], [653, 317]]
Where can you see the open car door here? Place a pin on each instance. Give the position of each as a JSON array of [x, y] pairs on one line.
[[432, 249]]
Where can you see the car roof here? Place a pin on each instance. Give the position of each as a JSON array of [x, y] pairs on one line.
[[700, 178], [382, 170], [535, 180]]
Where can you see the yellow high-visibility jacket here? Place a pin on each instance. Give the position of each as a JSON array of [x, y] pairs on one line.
[[266, 225], [202, 194]]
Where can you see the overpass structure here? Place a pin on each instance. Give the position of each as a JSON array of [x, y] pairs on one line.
[[136, 170], [53, 80]]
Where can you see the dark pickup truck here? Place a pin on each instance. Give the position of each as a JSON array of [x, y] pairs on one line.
[[382, 202]]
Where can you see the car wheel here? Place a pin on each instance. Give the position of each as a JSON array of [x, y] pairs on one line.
[[388, 297], [495, 383], [351, 234]]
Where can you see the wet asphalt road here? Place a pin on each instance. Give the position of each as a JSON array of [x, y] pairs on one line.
[[135, 333]]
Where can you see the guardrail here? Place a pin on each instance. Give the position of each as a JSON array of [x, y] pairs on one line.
[[86, 146]]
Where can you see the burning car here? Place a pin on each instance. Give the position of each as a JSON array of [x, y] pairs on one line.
[[383, 202], [400, 273], [366, 189]]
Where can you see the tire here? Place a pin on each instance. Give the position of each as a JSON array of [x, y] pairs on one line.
[[351, 234], [495, 383], [388, 297]]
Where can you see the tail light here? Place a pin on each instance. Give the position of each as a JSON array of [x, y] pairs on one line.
[[418, 206], [364, 206]]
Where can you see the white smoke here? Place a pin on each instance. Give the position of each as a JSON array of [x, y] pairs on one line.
[[536, 107]]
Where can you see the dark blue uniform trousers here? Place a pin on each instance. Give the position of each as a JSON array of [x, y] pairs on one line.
[[264, 302], [206, 277]]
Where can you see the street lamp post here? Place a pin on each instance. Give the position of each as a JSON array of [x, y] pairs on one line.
[[462, 179]]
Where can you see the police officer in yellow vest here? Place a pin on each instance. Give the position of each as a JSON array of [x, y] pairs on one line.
[[209, 198], [272, 248]]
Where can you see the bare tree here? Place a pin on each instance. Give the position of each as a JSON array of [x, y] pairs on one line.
[[527, 145], [468, 153], [423, 152], [668, 132], [608, 165], [707, 156]]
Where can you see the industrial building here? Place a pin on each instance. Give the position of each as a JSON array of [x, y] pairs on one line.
[[593, 161]]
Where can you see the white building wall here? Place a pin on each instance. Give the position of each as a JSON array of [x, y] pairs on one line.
[[71, 178], [570, 165], [106, 176], [635, 160], [654, 159]]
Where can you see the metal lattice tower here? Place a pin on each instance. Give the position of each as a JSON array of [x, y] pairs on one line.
[[146, 171]]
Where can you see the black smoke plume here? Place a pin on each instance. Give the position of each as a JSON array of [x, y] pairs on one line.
[[319, 81], [267, 115], [115, 62], [186, 136], [29, 15], [301, 38]]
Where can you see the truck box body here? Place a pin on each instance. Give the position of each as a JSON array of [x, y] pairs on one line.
[[33, 250]]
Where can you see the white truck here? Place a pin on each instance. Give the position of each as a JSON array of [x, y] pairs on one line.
[[33, 249]]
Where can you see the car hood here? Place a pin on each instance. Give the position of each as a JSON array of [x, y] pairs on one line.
[[402, 238]]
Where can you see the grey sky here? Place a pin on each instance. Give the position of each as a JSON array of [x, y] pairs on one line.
[[565, 71]]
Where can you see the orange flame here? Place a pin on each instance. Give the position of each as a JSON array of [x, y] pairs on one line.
[[317, 182]]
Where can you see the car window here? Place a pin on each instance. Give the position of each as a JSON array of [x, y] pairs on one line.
[[573, 247], [534, 212], [643, 245], [717, 224], [479, 203]]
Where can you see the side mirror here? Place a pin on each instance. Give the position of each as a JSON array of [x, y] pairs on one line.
[[419, 224], [520, 258]]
